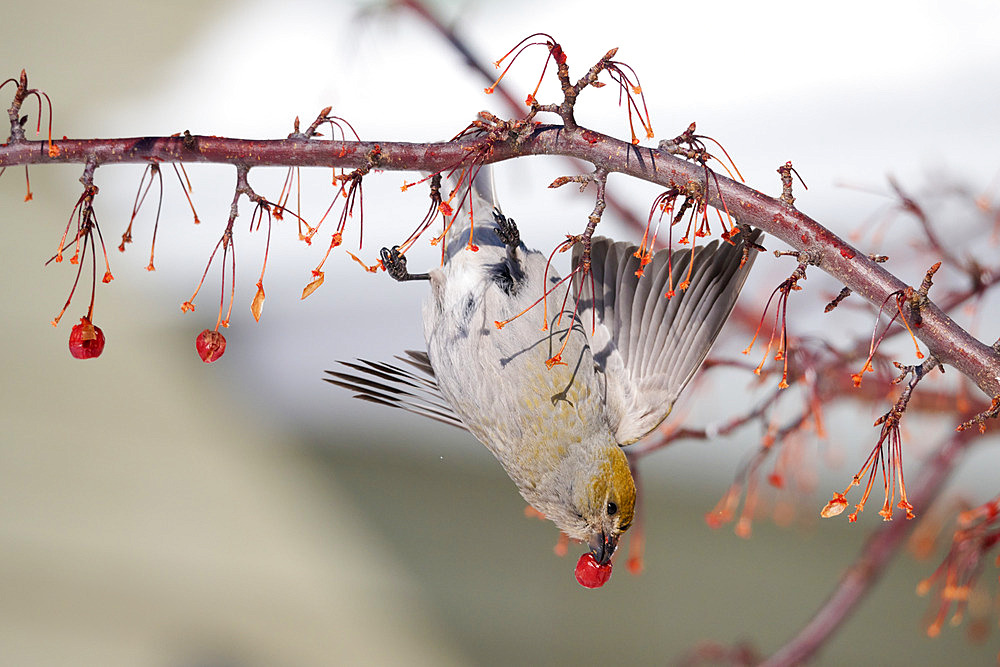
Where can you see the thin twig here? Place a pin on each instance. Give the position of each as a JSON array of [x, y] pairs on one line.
[[871, 563]]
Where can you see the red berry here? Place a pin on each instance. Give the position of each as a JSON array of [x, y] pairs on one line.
[[591, 574], [211, 344], [85, 340]]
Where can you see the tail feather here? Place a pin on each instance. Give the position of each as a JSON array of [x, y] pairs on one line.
[[481, 222]]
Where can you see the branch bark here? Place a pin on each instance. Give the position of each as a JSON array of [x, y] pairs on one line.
[[949, 342]]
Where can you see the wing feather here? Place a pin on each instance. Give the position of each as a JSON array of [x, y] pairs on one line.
[[649, 346]]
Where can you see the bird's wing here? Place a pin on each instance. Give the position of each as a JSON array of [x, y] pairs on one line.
[[397, 387], [649, 346]]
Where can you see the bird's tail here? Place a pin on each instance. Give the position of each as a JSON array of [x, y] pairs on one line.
[[472, 223]]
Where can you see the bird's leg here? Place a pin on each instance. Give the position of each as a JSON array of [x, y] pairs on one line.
[[395, 265], [507, 231], [509, 235]]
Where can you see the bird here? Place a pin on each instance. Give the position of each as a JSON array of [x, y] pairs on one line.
[[554, 383]]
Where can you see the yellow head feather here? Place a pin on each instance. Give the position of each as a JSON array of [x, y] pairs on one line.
[[615, 484]]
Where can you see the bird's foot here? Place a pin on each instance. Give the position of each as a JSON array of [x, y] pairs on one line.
[[395, 265], [507, 230]]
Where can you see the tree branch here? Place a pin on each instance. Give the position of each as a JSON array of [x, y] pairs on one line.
[[950, 343], [875, 556]]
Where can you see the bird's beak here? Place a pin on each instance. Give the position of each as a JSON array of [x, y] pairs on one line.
[[602, 547]]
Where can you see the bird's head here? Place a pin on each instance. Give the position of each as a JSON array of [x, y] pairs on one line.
[[603, 502]]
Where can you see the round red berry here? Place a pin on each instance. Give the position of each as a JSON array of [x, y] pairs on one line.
[[590, 573], [85, 340], [211, 344]]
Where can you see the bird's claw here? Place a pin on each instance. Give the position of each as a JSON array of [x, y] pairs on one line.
[[394, 263], [506, 230]]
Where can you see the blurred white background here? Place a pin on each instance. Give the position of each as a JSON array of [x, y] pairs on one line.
[[157, 511]]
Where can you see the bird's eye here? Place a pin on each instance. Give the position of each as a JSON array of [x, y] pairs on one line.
[[612, 508]]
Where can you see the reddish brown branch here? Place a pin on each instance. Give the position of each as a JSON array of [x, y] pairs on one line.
[[875, 557], [514, 107], [947, 341]]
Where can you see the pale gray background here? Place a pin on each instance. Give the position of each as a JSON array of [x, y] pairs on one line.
[[155, 511]]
